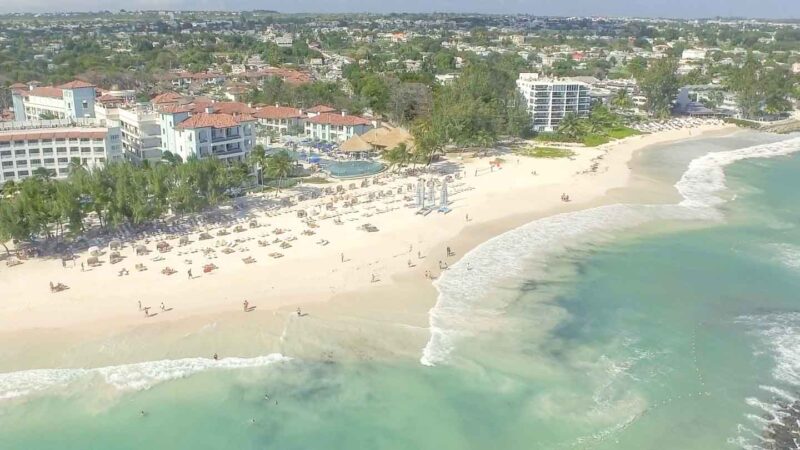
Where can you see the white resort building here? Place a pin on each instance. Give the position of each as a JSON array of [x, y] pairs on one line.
[[334, 127], [53, 144], [73, 100], [206, 134], [549, 99]]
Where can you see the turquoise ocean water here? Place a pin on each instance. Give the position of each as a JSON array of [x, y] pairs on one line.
[[621, 327]]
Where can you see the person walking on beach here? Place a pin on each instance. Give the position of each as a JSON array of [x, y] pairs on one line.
[[189, 272], [448, 251], [419, 254], [81, 267], [163, 308], [140, 305], [341, 256], [246, 304]]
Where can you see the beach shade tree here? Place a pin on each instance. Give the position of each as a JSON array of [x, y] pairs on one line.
[[279, 166]]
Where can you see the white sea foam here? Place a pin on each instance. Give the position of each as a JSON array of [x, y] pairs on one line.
[[136, 376], [780, 335], [464, 286]]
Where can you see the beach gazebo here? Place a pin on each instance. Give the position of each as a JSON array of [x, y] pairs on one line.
[[357, 146]]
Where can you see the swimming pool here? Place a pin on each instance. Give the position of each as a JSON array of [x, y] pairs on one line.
[[346, 169], [338, 169]]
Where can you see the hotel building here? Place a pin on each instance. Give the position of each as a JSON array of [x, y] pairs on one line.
[[549, 100], [53, 144]]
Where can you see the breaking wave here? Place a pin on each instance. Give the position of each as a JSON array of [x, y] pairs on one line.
[[463, 287], [126, 377]]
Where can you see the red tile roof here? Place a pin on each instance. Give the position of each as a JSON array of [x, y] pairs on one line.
[[204, 120], [46, 91], [18, 86], [338, 120], [76, 84], [232, 108], [278, 112], [167, 97], [321, 109], [174, 109]]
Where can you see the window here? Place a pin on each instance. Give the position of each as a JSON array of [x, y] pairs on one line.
[[19, 152], [49, 161], [63, 160], [8, 175], [36, 162], [34, 151], [19, 143], [22, 163], [22, 173]]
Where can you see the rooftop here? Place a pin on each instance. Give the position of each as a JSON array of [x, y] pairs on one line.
[[278, 112], [204, 120], [76, 84], [338, 119]]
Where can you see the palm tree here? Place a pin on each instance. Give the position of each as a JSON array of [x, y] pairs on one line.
[[621, 100], [570, 126], [397, 156], [280, 166], [257, 160]]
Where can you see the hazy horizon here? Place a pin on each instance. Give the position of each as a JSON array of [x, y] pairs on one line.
[[679, 9]]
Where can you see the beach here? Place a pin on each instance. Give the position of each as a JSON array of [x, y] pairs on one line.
[[338, 280], [658, 313]]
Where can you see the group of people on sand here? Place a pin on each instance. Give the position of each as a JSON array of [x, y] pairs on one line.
[[564, 198], [147, 312]]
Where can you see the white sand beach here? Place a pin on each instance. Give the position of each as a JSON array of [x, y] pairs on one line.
[[328, 270]]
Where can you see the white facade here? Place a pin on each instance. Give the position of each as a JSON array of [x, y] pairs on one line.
[[52, 144], [549, 100], [335, 127], [74, 100], [693, 54], [207, 135], [141, 133]]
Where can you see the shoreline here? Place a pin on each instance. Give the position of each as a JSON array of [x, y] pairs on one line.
[[395, 308]]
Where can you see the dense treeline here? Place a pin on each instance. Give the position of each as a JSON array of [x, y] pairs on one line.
[[478, 108], [116, 194]]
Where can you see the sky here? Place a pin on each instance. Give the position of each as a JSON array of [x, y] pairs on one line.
[[639, 8]]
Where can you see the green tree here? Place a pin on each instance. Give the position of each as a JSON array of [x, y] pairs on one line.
[[660, 84], [280, 165]]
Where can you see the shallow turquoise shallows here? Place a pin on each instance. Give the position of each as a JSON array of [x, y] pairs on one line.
[[636, 327]]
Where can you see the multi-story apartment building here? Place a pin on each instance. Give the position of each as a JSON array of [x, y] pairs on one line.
[[73, 100], [548, 100], [53, 144], [335, 127], [280, 119], [206, 134], [141, 133]]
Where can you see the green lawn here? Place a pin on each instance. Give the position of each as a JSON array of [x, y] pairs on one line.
[[546, 152]]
